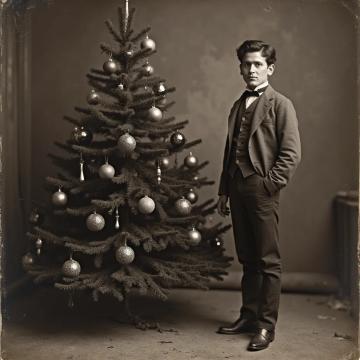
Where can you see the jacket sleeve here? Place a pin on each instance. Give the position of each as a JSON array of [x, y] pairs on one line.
[[223, 186], [289, 150]]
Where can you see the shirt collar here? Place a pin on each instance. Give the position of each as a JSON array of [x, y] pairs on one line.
[[261, 86]]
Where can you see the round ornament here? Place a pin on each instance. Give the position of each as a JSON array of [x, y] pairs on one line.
[[59, 198], [191, 161], [217, 242], [192, 196], [82, 136], [148, 69], [146, 205], [126, 143], [71, 268], [110, 66], [38, 245], [155, 114], [177, 139], [195, 178], [121, 86], [125, 255], [194, 237], [95, 222], [129, 53], [148, 44], [93, 98], [28, 260], [183, 206], [36, 217], [164, 163], [106, 171], [160, 88]]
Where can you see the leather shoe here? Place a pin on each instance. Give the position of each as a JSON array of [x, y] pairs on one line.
[[240, 326], [261, 339]]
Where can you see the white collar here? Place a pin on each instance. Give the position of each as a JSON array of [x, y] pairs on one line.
[[264, 84]]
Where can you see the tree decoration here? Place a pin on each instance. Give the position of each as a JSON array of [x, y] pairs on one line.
[[59, 198], [146, 205], [82, 176], [148, 69], [192, 196], [28, 260], [126, 143], [106, 171], [110, 66], [71, 268], [148, 44], [117, 223], [38, 245], [164, 163], [125, 255], [183, 206], [95, 222], [177, 139], [155, 114], [158, 174], [216, 242], [93, 98], [191, 161], [160, 88], [36, 217], [194, 237], [82, 136], [129, 53], [121, 86]]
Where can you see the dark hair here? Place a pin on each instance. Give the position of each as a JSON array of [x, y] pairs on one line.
[[267, 51]]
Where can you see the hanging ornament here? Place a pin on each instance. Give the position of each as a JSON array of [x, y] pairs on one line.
[[38, 245], [71, 268], [117, 223], [216, 242], [155, 114], [192, 196], [129, 53], [110, 66], [36, 217], [195, 178], [191, 161], [93, 98], [82, 176], [148, 44], [106, 171], [194, 237], [28, 260], [160, 88], [121, 86], [59, 198], [148, 69], [164, 163], [82, 136], [183, 206], [158, 174], [95, 222], [146, 205], [177, 139], [126, 143], [125, 255]]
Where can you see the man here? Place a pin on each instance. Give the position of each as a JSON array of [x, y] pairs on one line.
[[261, 154]]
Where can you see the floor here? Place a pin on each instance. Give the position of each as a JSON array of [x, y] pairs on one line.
[[40, 326]]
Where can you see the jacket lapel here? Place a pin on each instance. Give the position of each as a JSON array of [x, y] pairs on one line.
[[262, 107]]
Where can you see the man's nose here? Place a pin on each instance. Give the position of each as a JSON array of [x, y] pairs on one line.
[[252, 68]]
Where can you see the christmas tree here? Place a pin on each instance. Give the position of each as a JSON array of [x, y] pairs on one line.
[[123, 214]]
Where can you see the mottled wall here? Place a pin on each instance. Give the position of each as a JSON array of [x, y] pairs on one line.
[[316, 68]]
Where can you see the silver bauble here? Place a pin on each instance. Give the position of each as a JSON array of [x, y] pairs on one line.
[[126, 143], [93, 98], [146, 205], [95, 222], [129, 53], [183, 206], [106, 171], [192, 196], [164, 163], [125, 255], [71, 268], [148, 43], [177, 139], [148, 69], [82, 135], [121, 86], [59, 198], [160, 88], [28, 260], [191, 161], [194, 237], [110, 66], [155, 114]]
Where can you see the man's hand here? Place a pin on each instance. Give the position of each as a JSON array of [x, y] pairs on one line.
[[222, 208]]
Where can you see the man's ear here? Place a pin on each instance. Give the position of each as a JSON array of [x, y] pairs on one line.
[[271, 69]]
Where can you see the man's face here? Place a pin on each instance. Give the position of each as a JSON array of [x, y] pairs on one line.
[[254, 69]]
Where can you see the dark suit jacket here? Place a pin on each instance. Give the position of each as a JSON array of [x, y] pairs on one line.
[[274, 145]]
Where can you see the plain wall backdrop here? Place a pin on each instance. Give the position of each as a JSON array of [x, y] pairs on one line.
[[196, 40]]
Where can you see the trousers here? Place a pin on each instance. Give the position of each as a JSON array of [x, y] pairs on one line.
[[255, 220]]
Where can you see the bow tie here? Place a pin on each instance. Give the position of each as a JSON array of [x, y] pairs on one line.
[[249, 93]]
